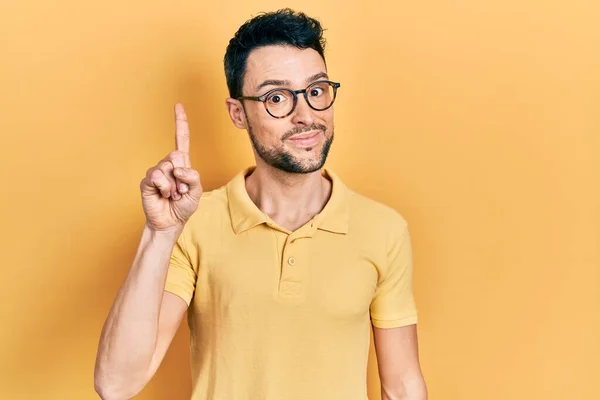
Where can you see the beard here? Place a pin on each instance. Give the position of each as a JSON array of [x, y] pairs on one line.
[[285, 161]]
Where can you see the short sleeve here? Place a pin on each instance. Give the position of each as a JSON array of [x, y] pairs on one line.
[[393, 304], [181, 277]]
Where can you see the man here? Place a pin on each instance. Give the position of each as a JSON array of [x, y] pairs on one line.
[[284, 270]]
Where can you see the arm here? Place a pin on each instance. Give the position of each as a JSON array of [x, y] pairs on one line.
[[144, 318], [394, 319], [141, 324], [398, 363]]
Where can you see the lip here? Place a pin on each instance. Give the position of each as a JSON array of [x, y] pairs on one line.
[[306, 139]]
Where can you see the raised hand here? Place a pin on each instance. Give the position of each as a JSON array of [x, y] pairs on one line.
[[171, 190]]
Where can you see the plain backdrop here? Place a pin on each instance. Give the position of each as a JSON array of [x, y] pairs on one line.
[[477, 120]]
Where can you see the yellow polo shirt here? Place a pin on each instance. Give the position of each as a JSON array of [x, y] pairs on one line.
[[281, 315]]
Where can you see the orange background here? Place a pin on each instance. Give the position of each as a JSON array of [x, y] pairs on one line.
[[478, 120]]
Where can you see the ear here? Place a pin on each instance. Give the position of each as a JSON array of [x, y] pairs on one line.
[[236, 113]]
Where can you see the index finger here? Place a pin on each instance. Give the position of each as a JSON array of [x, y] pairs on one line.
[[182, 131]]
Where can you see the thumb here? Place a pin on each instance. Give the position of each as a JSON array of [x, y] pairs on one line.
[[190, 177]]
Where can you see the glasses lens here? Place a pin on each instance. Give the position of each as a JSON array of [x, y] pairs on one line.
[[280, 103], [320, 95]]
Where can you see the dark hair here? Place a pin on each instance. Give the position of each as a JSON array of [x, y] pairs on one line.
[[282, 27]]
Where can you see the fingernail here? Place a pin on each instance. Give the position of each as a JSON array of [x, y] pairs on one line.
[[183, 188]]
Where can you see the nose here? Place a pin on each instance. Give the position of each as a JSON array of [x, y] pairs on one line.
[[303, 114]]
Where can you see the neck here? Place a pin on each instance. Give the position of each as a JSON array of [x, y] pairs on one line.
[[289, 199]]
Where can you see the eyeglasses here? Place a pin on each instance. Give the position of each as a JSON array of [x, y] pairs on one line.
[[281, 102]]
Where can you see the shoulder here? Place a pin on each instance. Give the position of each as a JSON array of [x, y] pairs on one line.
[[376, 215], [380, 230], [214, 200], [212, 213]]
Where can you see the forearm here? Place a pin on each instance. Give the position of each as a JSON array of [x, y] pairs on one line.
[[414, 391], [129, 335], [403, 397]]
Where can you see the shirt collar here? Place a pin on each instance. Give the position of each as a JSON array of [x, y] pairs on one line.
[[334, 217]]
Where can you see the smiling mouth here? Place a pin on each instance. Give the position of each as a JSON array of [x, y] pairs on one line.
[[306, 139], [304, 136]]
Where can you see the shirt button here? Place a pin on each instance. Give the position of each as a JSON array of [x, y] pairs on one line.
[[292, 261]]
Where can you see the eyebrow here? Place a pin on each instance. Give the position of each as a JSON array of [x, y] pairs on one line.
[[273, 82], [278, 82], [316, 77]]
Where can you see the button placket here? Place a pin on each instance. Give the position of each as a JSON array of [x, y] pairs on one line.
[[291, 281]]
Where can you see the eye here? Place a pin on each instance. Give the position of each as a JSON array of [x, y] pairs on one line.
[[277, 98], [316, 91]]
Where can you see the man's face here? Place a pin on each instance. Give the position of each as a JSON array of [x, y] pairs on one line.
[[300, 142]]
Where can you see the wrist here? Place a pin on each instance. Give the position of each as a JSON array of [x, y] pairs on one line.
[[169, 234]]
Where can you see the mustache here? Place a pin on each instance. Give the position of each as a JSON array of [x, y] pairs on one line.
[[297, 130]]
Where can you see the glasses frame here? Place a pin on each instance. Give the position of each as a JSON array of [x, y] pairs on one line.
[[295, 93]]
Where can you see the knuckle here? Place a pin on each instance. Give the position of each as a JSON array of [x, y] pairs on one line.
[[193, 174], [156, 175], [174, 155], [165, 166]]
